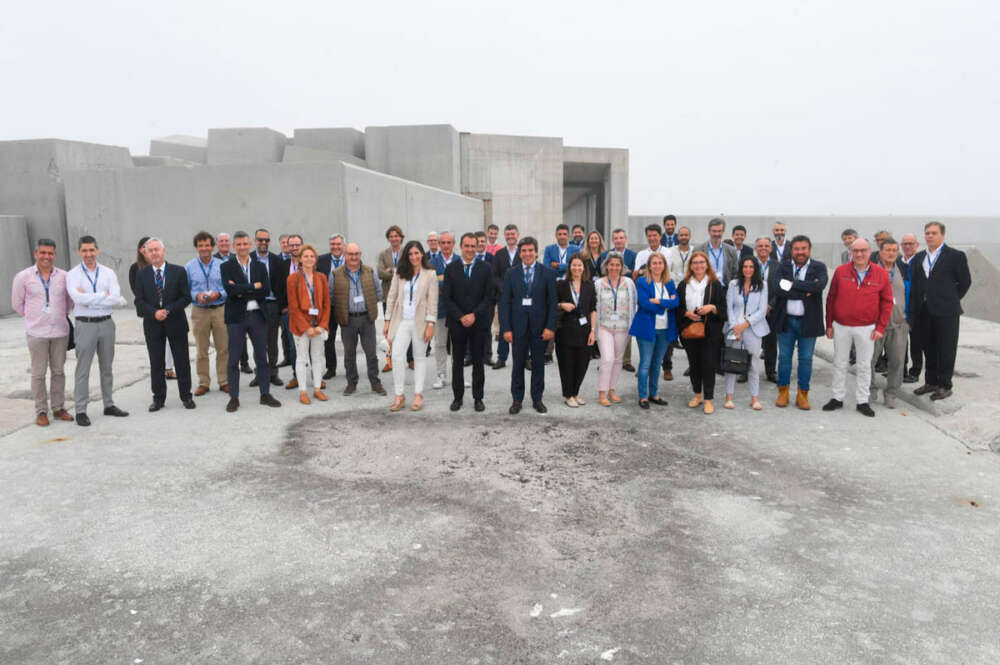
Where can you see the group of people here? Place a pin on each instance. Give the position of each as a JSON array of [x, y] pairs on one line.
[[728, 304]]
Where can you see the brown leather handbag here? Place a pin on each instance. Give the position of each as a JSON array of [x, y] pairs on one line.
[[696, 329]]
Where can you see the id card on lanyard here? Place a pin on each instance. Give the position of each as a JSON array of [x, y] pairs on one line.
[[313, 310], [614, 299], [529, 279], [93, 282]]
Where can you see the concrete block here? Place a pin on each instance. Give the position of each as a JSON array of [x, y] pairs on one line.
[[297, 153], [15, 255], [31, 182], [146, 160], [345, 140], [188, 148], [614, 165], [245, 145], [428, 154]]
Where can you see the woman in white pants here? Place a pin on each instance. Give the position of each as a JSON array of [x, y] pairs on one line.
[[308, 318], [746, 325], [410, 315], [616, 304]]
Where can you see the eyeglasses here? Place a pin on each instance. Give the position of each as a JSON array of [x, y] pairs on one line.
[[262, 239]]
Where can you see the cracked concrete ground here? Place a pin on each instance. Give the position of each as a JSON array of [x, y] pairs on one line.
[[340, 533]]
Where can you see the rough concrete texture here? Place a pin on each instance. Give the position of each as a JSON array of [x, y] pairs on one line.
[[428, 154], [31, 181], [340, 533], [345, 140], [188, 148], [298, 153], [521, 176], [147, 160], [15, 254], [614, 181], [245, 145]]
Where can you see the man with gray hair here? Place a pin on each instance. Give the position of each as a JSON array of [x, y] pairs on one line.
[[894, 341], [327, 264], [223, 246], [433, 248], [722, 257]]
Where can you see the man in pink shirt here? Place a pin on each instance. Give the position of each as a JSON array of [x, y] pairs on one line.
[[39, 294], [492, 232]]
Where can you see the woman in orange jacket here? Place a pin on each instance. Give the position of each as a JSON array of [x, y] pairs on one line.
[[308, 317]]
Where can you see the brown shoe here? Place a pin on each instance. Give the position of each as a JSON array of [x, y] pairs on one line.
[[42, 420], [802, 399], [170, 374], [668, 375], [351, 389], [304, 398], [318, 394], [322, 385], [200, 391], [294, 383], [388, 365], [224, 387], [410, 364], [62, 414], [782, 400]]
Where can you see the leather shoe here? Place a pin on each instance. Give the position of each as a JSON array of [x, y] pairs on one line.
[[188, 403], [276, 380], [909, 378], [657, 401], [329, 374], [253, 382], [115, 411], [268, 400], [539, 407], [628, 367], [833, 405], [233, 405], [82, 420], [865, 410], [941, 393], [42, 420], [456, 405], [379, 389], [772, 377], [294, 383], [924, 389], [224, 388], [350, 389], [201, 390], [479, 406], [155, 406], [285, 363], [668, 375], [515, 408], [499, 364], [644, 404], [245, 368], [62, 414]]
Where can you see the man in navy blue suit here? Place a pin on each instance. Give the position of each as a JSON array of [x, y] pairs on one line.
[[528, 321]]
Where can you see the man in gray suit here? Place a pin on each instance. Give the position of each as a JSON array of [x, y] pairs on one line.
[[722, 257]]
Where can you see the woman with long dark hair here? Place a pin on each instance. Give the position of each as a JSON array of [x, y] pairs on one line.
[[702, 302], [577, 323], [746, 305]]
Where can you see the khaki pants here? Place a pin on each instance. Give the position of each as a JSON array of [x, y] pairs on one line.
[[210, 321], [47, 353]]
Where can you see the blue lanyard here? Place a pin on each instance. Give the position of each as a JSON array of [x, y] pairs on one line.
[[614, 293], [930, 263], [562, 255], [395, 258], [356, 281], [413, 283], [529, 277], [93, 282], [312, 297], [803, 269], [763, 269], [205, 273], [246, 271], [861, 276], [746, 297], [45, 285], [716, 258]]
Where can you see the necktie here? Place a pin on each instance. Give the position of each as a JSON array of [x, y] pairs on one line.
[[159, 285], [468, 267]]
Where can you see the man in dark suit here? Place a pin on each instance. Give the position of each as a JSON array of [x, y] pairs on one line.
[[271, 262], [469, 293], [483, 255], [743, 250], [503, 260], [161, 294], [528, 321], [939, 279], [247, 285], [768, 271], [780, 251], [288, 266], [326, 264], [798, 317]]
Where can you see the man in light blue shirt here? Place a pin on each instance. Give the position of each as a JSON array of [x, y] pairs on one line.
[[208, 316], [557, 254]]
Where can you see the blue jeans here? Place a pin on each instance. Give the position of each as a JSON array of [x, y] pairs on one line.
[[786, 343], [650, 357]]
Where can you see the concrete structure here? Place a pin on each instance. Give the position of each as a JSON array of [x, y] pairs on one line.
[[423, 153], [180, 146], [31, 182], [147, 160], [295, 153], [345, 140], [15, 255], [595, 188], [245, 145]]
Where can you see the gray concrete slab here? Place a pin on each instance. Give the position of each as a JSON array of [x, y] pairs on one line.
[[147, 160], [245, 145], [299, 153], [340, 533], [180, 146], [428, 154], [15, 255], [345, 140], [615, 182]]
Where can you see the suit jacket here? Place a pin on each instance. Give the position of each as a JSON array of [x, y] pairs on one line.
[[475, 294], [644, 322], [485, 257], [732, 261], [629, 256], [502, 263], [940, 294], [552, 253], [809, 290], [786, 257], [280, 282], [425, 298], [756, 308], [715, 294], [745, 252], [385, 269], [531, 319], [273, 267], [324, 263], [769, 281], [239, 291], [570, 331], [176, 297], [679, 263]]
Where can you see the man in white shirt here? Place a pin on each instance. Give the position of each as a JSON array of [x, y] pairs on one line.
[[94, 290], [654, 235], [446, 241], [779, 248]]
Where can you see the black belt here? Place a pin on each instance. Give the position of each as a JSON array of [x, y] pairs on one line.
[[358, 314], [795, 316], [92, 319], [221, 304]]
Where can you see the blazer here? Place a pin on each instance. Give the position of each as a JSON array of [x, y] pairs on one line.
[[594, 267], [531, 319], [239, 291], [732, 261], [755, 308], [629, 256], [787, 256], [475, 294], [715, 294], [644, 321], [324, 262], [552, 254], [501, 264], [279, 280], [679, 263], [770, 283], [274, 261], [176, 297], [425, 297], [571, 332], [940, 294], [439, 265], [809, 290], [299, 305], [385, 269]]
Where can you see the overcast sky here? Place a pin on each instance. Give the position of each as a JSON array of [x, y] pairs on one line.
[[736, 107]]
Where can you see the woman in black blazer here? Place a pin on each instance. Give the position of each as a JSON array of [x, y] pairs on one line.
[[577, 322], [702, 297]]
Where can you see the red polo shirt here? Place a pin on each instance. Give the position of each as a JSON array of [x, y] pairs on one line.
[[851, 303]]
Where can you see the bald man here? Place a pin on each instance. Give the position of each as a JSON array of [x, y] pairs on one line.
[[356, 295]]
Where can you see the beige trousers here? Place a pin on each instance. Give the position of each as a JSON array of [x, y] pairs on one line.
[[48, 353], [210, 322]]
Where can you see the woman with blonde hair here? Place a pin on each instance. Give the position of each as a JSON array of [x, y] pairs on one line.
[[615, 308], [653, 326], [591, 252], [308, 321], [702, 299]]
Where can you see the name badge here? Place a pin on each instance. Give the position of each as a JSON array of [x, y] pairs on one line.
[[894, 300], [616, 317], [526, 302], [785, 285], [313, 311], [583, 320], [359, 299]]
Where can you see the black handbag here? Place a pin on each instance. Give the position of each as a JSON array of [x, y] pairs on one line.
[[71, 344], [735, 360]]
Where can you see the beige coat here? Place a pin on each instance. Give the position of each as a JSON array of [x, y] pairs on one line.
[[425, 298]]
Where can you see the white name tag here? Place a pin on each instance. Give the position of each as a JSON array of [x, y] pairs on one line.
[[359, 299], [583, 320], [526, 302], [894, 300], [615, 317], [313, 312], [785, 285]]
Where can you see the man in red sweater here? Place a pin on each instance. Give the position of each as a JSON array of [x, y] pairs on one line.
[[858, 306]]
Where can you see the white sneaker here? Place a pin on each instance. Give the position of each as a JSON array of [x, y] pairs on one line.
[[439, 382], [579, 401], [468, 384]]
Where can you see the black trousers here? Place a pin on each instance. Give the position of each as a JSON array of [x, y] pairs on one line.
[[287, 350], [470, 339], [253, 324], [330, 346], [573, 362], [939, 338], [668, 357], [273, 326], [770, 346], [916, 351], [156, 345], [519, 354], [703, 357]]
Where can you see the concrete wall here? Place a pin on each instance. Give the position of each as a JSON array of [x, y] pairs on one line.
[[295, 153], [147, 160], [15, 255], [616, 183], [521, 175], [188, 148], [31, 182], [245, 145], [345, 140], [428, 154]]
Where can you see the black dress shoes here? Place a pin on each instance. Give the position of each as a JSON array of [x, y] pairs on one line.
[[834, 404], [456, 405], [188, 403], [771, 376], [82, 420], [865, 410], [329, 374], [910, 378], [644, 404], [115, 411], [539, 407], [254, 383], [657, 401], [515, 408], [233, 405], [276, 381], [924, 389], [155, 406], [268, 400], [628, 367], [499, 364], [941, 393], [285, 363], [245, 368], [479, 406]]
